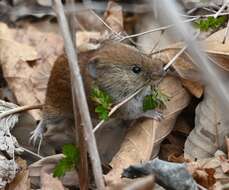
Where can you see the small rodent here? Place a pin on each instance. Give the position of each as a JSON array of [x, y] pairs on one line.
[[116, 68]]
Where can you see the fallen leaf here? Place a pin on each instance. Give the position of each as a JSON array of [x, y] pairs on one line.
[[45, 167], [205, 177], [114, 16], [185, 68], [208, 171], [142, 134], [48, 182], [21, 181], [224, 164], [87, 41], [193, 87], [24, 54], [211, 127]]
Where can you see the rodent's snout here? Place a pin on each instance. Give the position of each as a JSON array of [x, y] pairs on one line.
[[155, 75]]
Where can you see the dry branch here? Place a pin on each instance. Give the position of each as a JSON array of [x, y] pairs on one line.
[[79, 134], [80, 94], [20, 109]]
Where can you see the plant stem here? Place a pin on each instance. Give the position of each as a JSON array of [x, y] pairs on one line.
[[20, 109], [80, 95]]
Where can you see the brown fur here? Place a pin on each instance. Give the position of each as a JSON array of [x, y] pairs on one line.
[[113, 62]]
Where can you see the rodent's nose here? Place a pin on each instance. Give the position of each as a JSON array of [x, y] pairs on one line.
[[155, 75]]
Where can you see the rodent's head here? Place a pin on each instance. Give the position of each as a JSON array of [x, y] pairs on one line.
[[120, 69]]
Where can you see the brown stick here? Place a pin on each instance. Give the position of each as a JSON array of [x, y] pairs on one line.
[[83, 166], [20, 109], [80, 95]]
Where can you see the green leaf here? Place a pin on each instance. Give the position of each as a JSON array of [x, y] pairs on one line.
[[71, 152], [102, 111], [71, 159], [62, 167], [154, 100], [149, 103], [210, 23], [103, 101]]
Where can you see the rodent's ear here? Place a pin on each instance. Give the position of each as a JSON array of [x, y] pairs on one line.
[[92, 67]]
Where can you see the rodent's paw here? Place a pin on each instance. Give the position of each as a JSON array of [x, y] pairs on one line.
[[36, 134], [157, 115]]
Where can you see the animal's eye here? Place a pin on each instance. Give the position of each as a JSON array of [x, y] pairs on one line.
[[136, 69]]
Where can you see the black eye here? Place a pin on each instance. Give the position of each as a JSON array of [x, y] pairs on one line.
[[136, 69]]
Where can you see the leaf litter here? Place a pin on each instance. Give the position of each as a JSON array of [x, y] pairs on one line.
[[192, 131]]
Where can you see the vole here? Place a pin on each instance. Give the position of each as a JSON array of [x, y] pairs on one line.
[[116, 68]]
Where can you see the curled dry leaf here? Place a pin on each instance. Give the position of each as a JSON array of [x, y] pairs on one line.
[[211, 127], [194, 88], [21, 181], [185, 68], [44, 167], [208, 171], [26, 53], [139, 141]]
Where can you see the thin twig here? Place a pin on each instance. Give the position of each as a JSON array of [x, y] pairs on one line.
[[116, 107], [221, 9], [174, 58], [79, 132], [226, 33], [201, 187], [203, 16], [152, 121], [207, 9], [80, 95], [20, 109], [32, 153], [178, 54], [157, 43], [156, 29]]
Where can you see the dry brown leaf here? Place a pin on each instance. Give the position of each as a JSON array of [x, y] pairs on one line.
[[193, 87], [184, 65], [185, 68], [48, 46], [87, 41], [21, 181], [182, 126], [205, 177], [24, 52], [169, 151], [114, 16], [217, 50], [45, 167], [145, 183], [139, 141], [177, 158], [50, 183], [209, 171], [224, 164], [211, 127]]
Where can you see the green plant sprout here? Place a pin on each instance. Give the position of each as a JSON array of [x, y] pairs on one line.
[[69, 162], [210, 23], [103, 101], [155, 100]]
